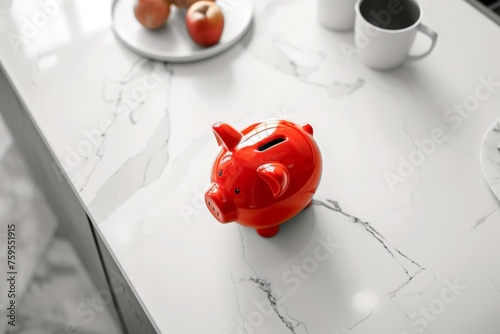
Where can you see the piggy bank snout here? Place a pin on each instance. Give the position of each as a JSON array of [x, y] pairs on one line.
[[219, 204]]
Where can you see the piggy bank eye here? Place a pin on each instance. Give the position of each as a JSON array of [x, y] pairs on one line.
[[220, 173], [237, 191]]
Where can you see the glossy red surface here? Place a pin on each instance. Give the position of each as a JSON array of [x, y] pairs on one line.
[[263, 175]]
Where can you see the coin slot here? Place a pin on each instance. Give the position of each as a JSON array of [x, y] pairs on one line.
[[270, 144]]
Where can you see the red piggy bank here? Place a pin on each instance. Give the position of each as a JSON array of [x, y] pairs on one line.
[[263, 175]]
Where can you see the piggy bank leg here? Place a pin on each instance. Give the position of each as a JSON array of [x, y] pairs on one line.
[[268, 231], [308, 205]]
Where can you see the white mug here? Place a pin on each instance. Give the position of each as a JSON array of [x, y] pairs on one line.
[[336, 14], [386, 29]]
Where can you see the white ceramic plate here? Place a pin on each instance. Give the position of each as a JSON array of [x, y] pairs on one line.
[[172, 42], [490, 157]]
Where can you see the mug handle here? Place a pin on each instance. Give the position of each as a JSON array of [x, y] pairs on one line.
[[432, 35]]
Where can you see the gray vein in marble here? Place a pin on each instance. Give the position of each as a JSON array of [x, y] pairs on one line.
[[145, 177], [269, 47], [151, 162], [116, 101], [473, 158], [94, 168], [99, 153], [78, 171], [136, 113], [294, 55], [421, 293], [127, 78], [339, 89], [90, 69], [407, 132], [393, 293], [374, 275], [132, 73], [491, 280], [394, 252], [303, 71], [359, 322], [238, 305], [263, 284], [482, 220], [243, 252], [157, 146], [412, 322], [419, 171]]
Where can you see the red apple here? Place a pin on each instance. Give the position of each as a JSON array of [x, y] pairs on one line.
[[205, 22], [184, 3], [152, 14]]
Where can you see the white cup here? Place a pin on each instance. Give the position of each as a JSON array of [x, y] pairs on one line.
[[386, 29], [336, 14]]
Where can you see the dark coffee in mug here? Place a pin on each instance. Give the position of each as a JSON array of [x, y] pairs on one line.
[[385, 31], [390, 14]]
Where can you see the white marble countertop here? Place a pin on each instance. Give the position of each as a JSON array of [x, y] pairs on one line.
[[420, 256]]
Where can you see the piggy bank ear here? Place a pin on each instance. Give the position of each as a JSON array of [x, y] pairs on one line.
[[276, 176], [307, 128], [227, 135]]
